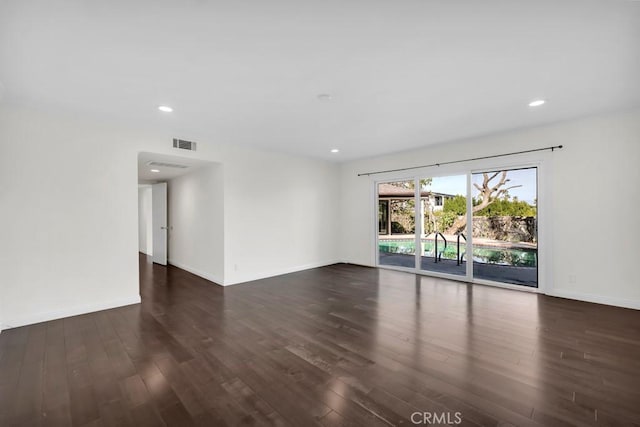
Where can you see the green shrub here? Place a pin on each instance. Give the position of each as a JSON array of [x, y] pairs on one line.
[[457, 205], [504, 207]]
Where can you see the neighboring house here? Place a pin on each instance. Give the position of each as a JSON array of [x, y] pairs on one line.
[[430, 201], [436, 200]]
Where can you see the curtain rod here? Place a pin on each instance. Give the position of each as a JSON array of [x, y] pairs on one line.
[[462, 161]]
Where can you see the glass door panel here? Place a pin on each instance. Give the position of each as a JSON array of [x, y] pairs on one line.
[[443, 209], [505, 226], [396, 237]]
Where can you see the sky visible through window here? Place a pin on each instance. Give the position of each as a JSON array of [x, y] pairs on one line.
[[457, 184]]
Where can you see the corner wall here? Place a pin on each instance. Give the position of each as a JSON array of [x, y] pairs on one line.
[[595, 200], [196, 222], [145, 226]]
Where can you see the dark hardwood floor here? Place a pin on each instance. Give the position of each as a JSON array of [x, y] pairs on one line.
[[340, 345]]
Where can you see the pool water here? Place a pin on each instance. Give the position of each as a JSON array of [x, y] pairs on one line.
[[520, 257]]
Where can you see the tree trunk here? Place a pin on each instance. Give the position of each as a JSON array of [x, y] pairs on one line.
[[461, 222]]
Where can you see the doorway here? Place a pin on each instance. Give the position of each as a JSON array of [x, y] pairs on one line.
[[181, 214], [155, 171]]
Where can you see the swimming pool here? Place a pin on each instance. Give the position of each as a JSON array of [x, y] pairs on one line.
[[520, 257]]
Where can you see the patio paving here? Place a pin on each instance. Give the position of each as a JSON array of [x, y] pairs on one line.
[[526, 276]]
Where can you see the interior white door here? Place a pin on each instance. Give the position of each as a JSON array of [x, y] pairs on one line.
[[159, 222]]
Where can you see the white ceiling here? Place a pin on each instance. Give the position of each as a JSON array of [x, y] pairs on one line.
[[145, 176], [401, 73]]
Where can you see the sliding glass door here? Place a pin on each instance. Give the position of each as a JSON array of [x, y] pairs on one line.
[[505, 226], [443, 210], [396, 223], [439, 224]]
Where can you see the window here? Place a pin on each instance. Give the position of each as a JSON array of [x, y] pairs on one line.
[[482, 226]]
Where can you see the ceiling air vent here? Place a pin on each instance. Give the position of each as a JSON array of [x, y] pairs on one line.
[[185, 145], [167, 165]]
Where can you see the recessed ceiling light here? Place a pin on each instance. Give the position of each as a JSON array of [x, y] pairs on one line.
[[165, 108], [335, 150], [537, 103], [324, 97], [155, 170]]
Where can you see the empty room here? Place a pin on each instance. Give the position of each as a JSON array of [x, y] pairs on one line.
[[319, 213]]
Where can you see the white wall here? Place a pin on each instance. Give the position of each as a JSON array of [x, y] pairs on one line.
[[145, 224], [69, 198], [280, 215], [196, 222], [68, 202], [595, 201]]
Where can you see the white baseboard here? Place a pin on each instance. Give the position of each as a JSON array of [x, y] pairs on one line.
[[263, 275], [598, 299], [210, 277], [68, 312], [562, 293]]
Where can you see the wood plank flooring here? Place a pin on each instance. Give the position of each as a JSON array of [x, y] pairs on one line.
[[335, 346]]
